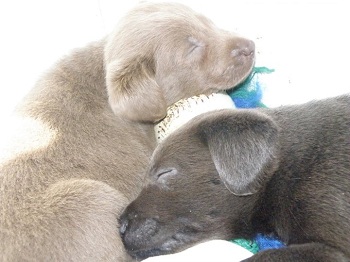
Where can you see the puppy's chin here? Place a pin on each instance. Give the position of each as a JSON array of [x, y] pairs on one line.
[[173, 244], [237, 74], [142, 244]]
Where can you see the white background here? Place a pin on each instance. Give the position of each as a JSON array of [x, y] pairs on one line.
[[306, 42]]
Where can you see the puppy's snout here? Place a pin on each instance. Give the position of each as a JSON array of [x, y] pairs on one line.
[[135, 230], [243, 47]]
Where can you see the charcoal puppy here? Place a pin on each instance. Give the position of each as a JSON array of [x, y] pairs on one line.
[[85, 133], [235, 173]]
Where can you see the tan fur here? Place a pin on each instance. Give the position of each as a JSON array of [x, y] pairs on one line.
[[83, 136]]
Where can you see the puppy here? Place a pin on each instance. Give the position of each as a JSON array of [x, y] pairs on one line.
[[235, 173], [85, 132]]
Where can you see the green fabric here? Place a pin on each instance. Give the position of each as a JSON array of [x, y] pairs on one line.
[[247, 244]]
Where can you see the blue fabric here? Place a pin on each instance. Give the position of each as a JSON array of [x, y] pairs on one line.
[[249, 93], [267, 242]]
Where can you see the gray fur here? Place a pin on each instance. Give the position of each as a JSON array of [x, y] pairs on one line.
[[235, 173], [85, 132]]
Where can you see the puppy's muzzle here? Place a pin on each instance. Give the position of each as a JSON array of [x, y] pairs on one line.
[[136, 231], [243, 48]]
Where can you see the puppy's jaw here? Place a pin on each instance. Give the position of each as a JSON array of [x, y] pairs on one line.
[[172, 243], [239, 71]]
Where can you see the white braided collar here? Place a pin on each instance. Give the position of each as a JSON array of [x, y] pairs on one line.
[[184, 110]]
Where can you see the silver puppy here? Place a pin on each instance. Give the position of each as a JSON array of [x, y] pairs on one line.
[[85, 132], [235, 173]]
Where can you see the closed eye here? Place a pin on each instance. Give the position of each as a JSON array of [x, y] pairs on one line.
[[162, 175], [195, 45]]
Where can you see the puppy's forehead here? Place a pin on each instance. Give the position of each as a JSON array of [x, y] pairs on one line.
[[171, 13], [179, 145], [168, 148], [172, 9]]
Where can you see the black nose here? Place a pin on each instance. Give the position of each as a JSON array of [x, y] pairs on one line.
[[243, 47], [135, 230]]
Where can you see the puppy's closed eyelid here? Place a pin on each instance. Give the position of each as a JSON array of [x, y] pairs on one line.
[[193, 48], [195, 43], [163, 174]]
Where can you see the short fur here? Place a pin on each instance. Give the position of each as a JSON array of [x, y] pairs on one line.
[[85, 132], [235, 173]]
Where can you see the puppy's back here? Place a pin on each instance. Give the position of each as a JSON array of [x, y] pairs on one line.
[[313, 178], [316, 125]]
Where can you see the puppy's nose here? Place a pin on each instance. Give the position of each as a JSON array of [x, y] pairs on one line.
[[243, 47], [134, 230]]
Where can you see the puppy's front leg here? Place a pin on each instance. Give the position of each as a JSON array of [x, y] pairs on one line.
[[302, 253]]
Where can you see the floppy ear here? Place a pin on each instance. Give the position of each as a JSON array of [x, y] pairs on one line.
[[133, 91], [242, 145]]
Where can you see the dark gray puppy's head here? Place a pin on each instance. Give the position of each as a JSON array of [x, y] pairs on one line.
[[203, 180]]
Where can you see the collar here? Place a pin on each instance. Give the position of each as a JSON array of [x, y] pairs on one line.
[[184, 110]]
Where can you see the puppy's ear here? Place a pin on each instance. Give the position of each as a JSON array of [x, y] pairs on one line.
[[242, 146], [133, 91]]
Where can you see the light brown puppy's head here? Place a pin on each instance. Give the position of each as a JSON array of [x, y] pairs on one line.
[[163, 52], [204, 180]]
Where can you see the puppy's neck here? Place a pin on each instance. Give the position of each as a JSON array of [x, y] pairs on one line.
[[184, 110]]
